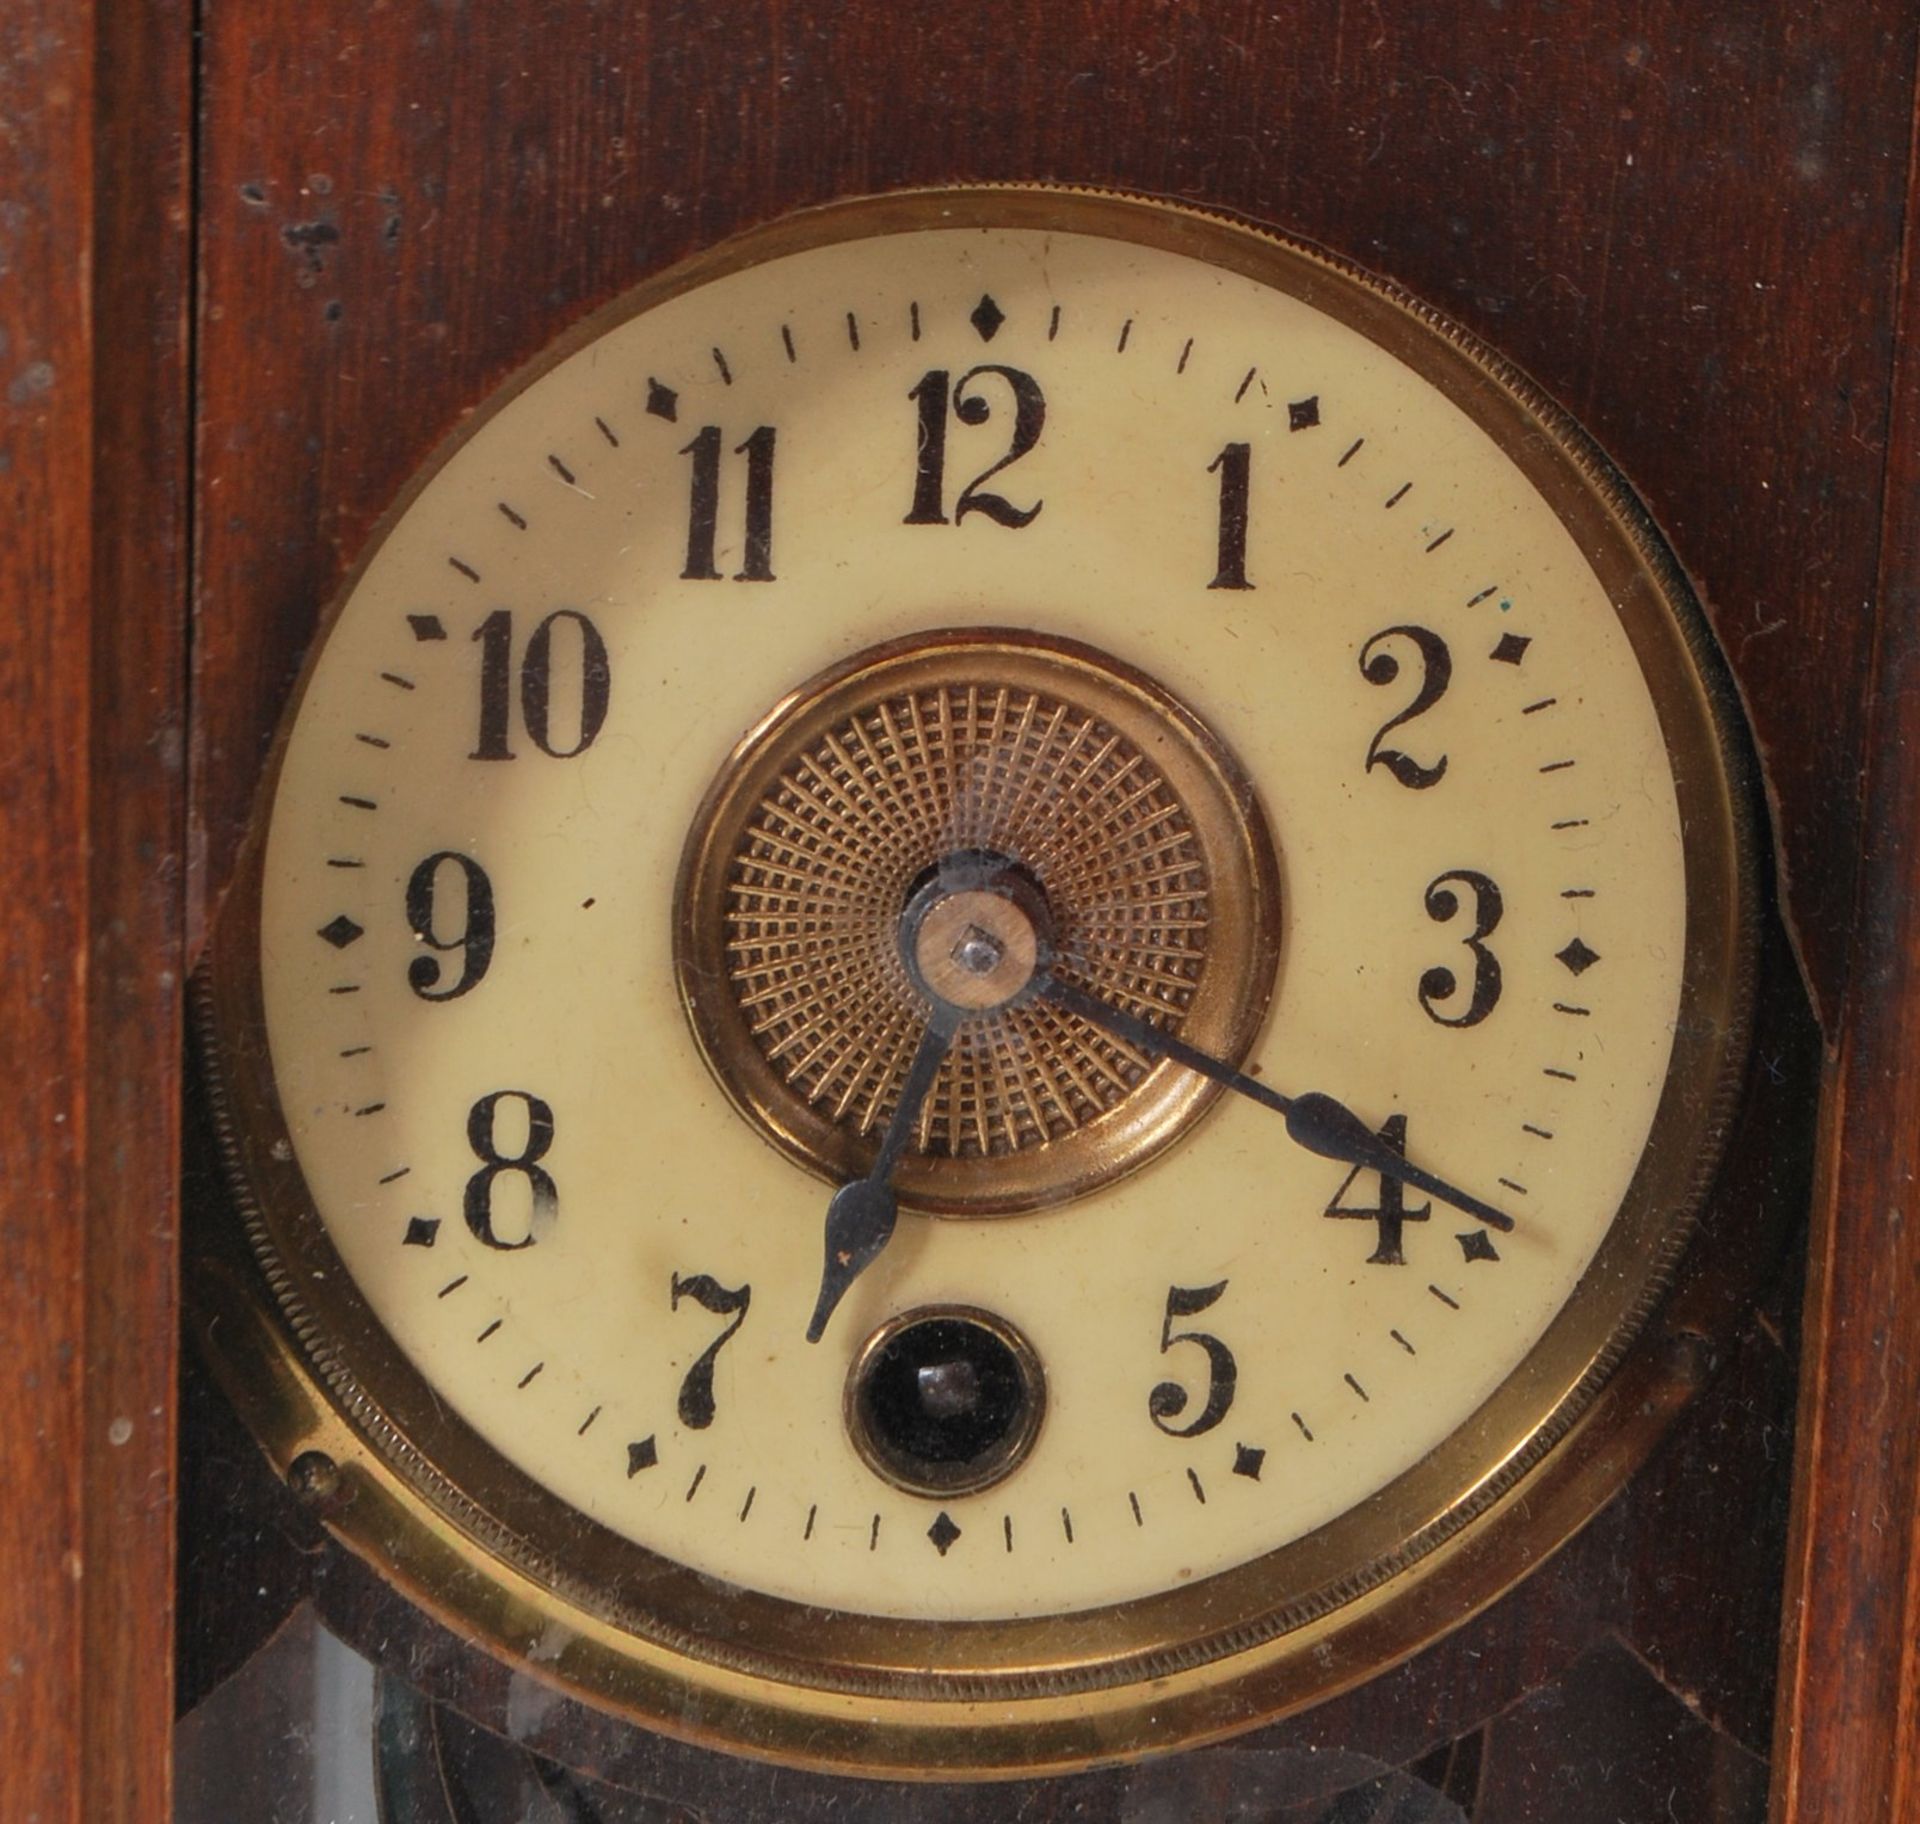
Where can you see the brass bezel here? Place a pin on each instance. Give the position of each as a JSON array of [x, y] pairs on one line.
[[477, 1545], [1231, 997]]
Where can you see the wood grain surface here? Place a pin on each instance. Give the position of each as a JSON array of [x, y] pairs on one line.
[[1849, 1730], [136, 883], [45, 572], [94, 270]]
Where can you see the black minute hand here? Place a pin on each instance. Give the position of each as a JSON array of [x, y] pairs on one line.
[[1314, 1121], [861, 1216]]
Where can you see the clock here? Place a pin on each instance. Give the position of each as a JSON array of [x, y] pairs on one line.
[[986, 980]]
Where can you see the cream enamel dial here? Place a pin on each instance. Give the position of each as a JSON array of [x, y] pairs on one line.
[[909, 621]]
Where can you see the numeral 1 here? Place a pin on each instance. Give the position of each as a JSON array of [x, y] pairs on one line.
[[703, 512], [1233, 465]]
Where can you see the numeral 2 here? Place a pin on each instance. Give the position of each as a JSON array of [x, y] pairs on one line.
[[1379, 666]]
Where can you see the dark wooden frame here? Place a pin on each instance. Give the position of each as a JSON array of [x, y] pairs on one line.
[[1692, 222], [95, 479]]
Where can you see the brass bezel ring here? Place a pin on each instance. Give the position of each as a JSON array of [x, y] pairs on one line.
[[1230, 996], [502, 1563]]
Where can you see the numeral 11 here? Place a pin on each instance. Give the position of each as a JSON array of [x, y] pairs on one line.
[[704, 509]]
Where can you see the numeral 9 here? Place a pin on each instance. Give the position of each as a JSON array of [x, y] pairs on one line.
[[474, 938]]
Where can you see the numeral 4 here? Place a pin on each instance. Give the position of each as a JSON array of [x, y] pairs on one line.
[[1391, 1211]]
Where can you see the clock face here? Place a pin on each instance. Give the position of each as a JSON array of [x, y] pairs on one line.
[[1001, 945]]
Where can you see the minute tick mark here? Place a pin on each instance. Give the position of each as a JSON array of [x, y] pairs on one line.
[[1199, 1493], [467, 570]]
